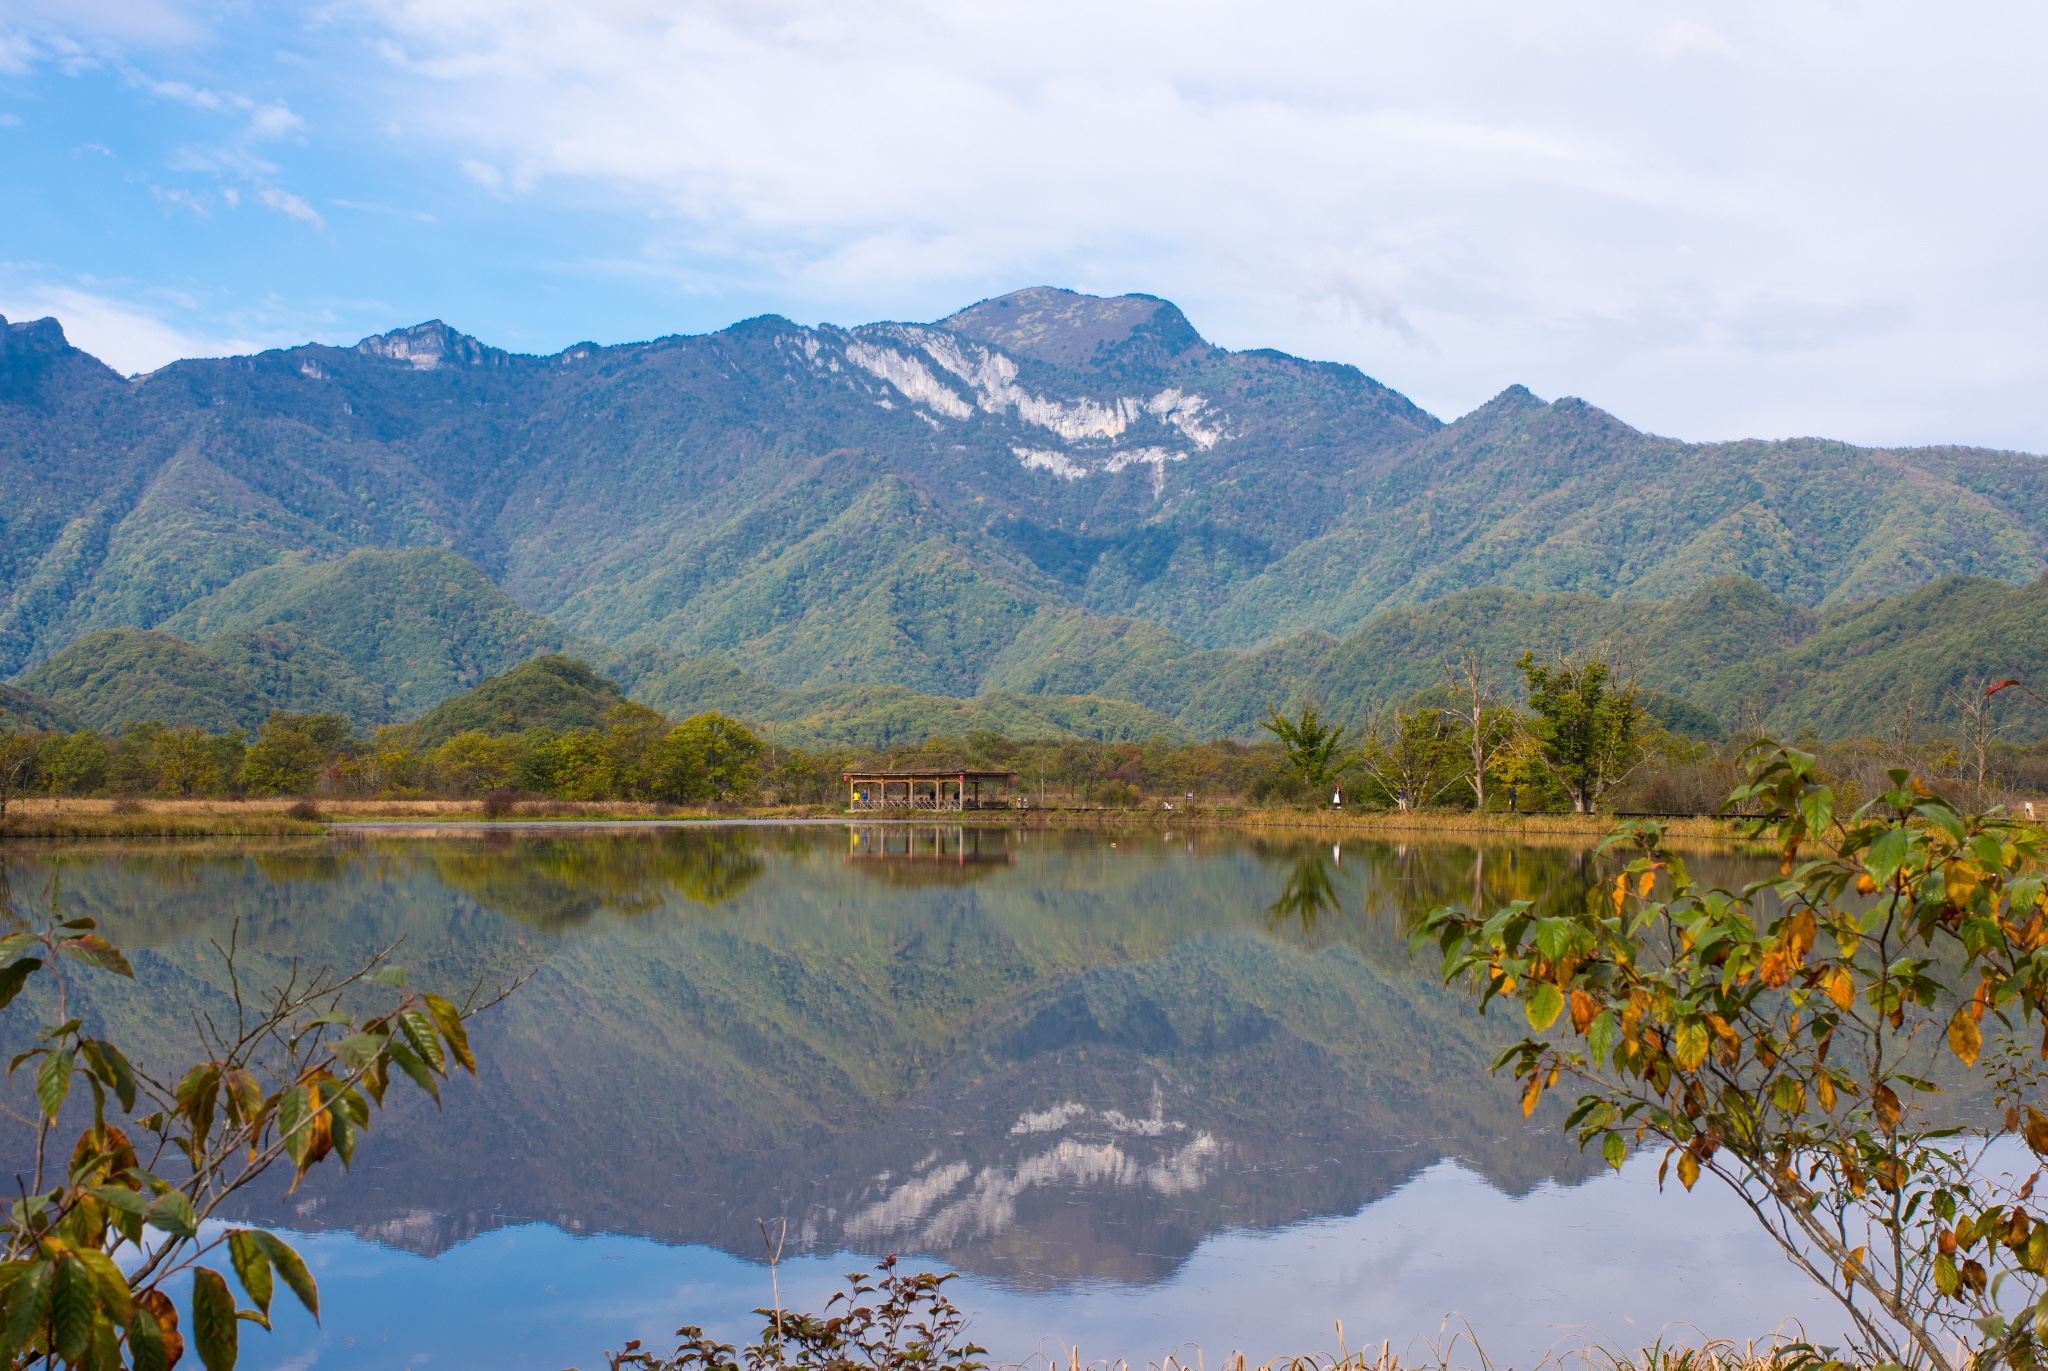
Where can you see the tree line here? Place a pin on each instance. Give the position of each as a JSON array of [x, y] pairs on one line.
[[1581, 737], [635, 754]]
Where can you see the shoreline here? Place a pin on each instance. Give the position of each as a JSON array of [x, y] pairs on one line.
[[172, 818]]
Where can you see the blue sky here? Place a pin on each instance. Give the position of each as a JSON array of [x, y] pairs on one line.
[[1715, 220]]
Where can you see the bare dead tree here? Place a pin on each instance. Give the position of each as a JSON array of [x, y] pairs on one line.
[[1898, 739], [1974, 701], [1469, 677]]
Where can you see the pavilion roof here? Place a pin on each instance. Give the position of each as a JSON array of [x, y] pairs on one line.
[[925, 773]]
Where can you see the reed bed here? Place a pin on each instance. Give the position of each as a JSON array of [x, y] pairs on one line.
[[1462, 1352]]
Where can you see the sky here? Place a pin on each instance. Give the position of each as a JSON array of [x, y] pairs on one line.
[[1715, 220]]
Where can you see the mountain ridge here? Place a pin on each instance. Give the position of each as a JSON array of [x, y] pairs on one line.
[[918, 505]]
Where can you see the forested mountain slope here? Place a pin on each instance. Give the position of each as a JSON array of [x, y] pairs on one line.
[[415, 628], [929, 506]]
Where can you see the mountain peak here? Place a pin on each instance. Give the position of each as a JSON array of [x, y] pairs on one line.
[[431, 345], [1069, 329], [45, 336]]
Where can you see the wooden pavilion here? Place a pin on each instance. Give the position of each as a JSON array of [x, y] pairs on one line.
[[923, 788]]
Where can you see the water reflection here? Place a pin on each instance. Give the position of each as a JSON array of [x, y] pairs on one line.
[[923, 854], [557, 883], [1045, 1058]]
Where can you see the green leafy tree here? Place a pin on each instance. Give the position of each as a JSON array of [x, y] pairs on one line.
[[291, 1079], [631, 734], [1587, 725], [18, 753], [290, 752], [474, 763], [707, 756], [135, 767], [1781, 1036], [391, 763], [574, 765], [191, 762], [1413, 757], [1315, 749], [74, 763]]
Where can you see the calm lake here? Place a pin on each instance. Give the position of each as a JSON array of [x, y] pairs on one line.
[[1149, 1093]]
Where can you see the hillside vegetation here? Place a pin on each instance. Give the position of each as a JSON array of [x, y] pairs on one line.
[[944, 507], [1730, 650]]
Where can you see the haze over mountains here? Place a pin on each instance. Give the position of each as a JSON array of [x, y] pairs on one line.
[[1045, 495]]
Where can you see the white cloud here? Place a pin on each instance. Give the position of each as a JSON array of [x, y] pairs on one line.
[[288, 204], [1753, 216], [1456, 196], [1684, 38], [82, 32], [124, 336]]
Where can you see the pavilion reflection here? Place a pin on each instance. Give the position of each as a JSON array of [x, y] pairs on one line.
[[922, 854]]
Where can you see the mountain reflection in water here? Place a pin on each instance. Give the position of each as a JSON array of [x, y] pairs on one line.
[[1040, 1057]]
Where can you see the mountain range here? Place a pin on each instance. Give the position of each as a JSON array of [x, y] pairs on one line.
[[1069, 512]]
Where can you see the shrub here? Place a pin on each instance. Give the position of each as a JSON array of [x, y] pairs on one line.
[[911, 1327], [1777, 1037]]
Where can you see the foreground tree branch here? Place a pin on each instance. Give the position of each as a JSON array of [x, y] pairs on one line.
[[1782, 1037]]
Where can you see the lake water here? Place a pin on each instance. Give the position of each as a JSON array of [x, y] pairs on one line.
[[1148, 1093]]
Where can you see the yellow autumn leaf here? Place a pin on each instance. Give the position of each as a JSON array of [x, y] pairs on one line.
[[1689, 1044], [2036, 1132], [1841, 987], [1688, 1169], [1964, 1037]]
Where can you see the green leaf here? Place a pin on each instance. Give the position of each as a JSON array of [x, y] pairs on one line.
[[449, 1020], [14, 944], [106, 1346], [393, 976], [348, 1103], [73, 1302], [419, 1032], [341, 1132], [122, 1198], [53, 1081], [1817, 808], [214, 1326], [28, 1304], [293, 1111], [109, 1284], [197, 1094], [1613, 1150], [172, 1213], [112, 1067], [94, 950], [146, 1342], [358, 1050], [1600, 1035], [244, 1092], [1543, 1003], [1882, 859], [252, 1267], [14, 978], [412, 1066], [293, 1269], [1553, 937]]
